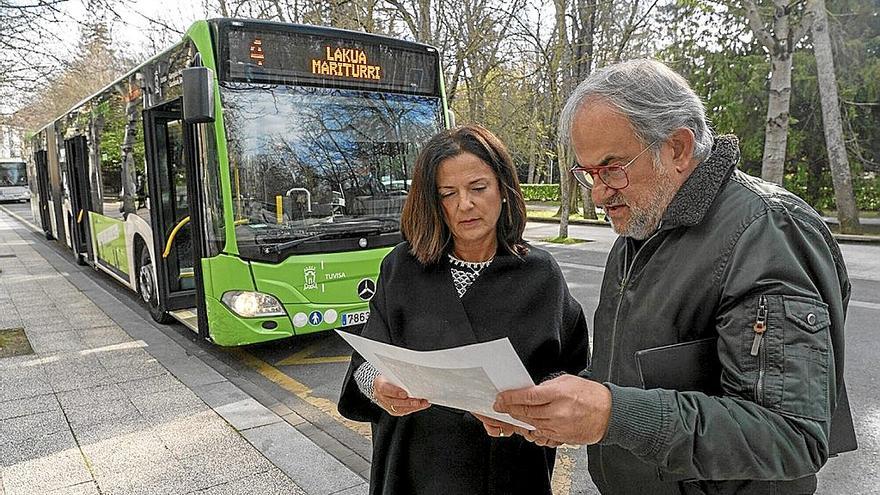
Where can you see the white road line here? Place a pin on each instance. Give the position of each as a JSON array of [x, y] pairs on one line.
[[864, 304]]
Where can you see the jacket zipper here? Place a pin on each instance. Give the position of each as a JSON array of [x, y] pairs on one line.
[[621, 290], [757, 349]]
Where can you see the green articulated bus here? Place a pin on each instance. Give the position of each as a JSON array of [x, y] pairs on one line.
[[247, 181]]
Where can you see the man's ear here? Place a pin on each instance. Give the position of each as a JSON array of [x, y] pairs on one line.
[[682, 143]]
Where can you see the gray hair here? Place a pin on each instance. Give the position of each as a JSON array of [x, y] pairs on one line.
[[656, 100]]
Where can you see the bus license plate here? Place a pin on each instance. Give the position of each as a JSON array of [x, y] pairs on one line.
[[358, 318]]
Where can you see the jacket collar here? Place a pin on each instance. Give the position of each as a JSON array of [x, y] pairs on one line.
[[693, 199]]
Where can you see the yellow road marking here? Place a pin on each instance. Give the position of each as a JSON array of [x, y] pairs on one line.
[[561, 482], [328, 407], [303, 357]]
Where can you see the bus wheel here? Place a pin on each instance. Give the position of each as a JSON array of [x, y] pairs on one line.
[[148, 289]]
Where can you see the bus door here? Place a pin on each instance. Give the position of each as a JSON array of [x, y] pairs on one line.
[[41, 160], [171, 169], [80, 196]]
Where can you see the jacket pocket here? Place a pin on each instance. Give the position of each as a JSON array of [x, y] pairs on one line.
[[797, 357]]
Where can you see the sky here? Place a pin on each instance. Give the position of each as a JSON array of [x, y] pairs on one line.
[[130, 24]]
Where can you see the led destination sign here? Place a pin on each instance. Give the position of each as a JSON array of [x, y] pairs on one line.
[[279, 57], [346, 62]]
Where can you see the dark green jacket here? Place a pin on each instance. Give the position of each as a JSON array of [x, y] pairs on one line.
[[728, 243]]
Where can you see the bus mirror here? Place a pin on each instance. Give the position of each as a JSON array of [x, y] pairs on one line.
[[198, 95]]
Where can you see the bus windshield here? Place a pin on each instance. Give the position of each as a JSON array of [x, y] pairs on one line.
[[13, 174], [310, 164]]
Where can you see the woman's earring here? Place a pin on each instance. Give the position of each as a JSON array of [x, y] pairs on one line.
[[504, 200]]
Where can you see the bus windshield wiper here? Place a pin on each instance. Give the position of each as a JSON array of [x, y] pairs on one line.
[[277, 248]]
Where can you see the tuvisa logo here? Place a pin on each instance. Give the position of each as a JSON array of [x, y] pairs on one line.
[[310, 278]]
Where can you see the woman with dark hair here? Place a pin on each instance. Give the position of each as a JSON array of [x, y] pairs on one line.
[[464, 275]]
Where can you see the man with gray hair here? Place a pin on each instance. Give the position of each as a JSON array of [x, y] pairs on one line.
[[718, 348]]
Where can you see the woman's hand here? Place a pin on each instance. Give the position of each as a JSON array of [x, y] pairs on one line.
[[495, 428], [394, 399]]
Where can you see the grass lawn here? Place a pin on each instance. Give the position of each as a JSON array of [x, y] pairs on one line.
[[541, 214], [565, 240]]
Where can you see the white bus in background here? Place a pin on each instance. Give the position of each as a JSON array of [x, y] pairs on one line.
[[13, 180]]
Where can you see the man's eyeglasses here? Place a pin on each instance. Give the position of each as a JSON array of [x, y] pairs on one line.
[[613, 175]]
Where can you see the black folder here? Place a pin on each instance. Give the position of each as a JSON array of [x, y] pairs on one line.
[[694, 366], [687, 366]]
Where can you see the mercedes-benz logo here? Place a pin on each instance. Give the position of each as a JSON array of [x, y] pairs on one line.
[[366, 289]]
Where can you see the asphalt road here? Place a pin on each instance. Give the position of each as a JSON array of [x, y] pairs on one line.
[[305, 373]]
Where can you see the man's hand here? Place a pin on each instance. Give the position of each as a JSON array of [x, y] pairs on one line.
[[567, 409], [394, 399]]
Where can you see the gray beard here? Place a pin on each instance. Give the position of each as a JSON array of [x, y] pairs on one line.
[[644, 220]]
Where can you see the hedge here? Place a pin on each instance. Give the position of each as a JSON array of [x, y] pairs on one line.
[[540, 192]]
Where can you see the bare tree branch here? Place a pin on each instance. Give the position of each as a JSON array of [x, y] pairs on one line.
[[757, 24]]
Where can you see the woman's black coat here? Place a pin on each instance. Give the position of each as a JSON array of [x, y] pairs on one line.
[[446, 451]]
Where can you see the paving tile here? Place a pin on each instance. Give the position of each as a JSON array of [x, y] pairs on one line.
[[127, 424], [106, 412], [153, 384], [168, 405], [90, 321], [102, 336], [301, 459], [91, 396], [220, 394], [217, 469], [362, 489], [43, 329], [126, 364], [23, 428], [294, 419], [27, 406], [122, 454], [202, 434], [36, 447], [72, 372], [47, 317], [192, 371], [356, 463], [151, 478], [44, 474], [87, 488], [272, 482], [56, 342], [235, 406]]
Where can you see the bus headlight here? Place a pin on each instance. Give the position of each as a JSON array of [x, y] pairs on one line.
[[252, 304]]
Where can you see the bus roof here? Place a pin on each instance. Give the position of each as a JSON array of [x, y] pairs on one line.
[[257, 24]]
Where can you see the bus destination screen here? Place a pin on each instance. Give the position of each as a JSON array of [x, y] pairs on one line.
[[296, 58]]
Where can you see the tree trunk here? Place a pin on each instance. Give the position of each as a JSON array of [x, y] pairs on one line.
[[780, 44], [533, 140], [778, 104], [563, 72], [564, 192], [589, 207], [847, 212]]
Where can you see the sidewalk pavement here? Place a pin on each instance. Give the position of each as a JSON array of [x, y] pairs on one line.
[[108, 404]]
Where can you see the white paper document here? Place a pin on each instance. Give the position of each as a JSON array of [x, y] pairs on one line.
[[467, 377]]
